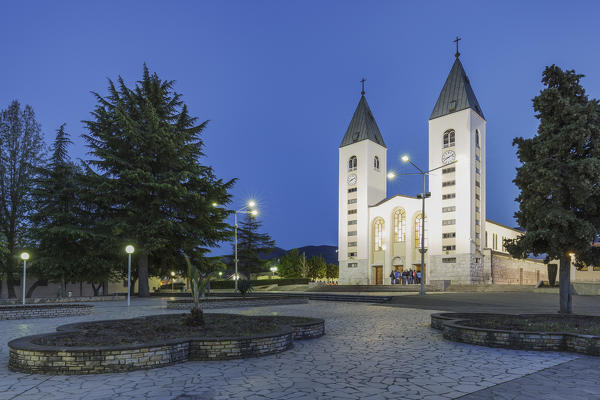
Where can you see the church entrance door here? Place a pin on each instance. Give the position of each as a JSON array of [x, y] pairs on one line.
[[378, 275]]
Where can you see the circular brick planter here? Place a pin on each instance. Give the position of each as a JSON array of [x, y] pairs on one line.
[[456, 327], [226, 302], [28, 311], [25, 355]]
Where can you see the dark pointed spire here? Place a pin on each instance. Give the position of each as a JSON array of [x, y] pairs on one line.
[[457, 93], [363, 125]]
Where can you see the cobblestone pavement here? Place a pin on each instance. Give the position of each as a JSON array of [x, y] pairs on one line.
[[369, 352], [577, 379]]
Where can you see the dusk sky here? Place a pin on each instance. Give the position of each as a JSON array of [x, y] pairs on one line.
[[279, 81]]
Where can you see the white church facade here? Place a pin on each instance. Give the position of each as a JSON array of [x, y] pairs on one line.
[[379, 234]]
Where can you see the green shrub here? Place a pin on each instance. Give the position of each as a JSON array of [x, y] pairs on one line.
[[552, 269]]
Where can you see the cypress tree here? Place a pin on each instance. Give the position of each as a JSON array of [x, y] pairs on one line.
[[559, 179], [156, 194]]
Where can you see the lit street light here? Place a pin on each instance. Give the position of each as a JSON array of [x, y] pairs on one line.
[[243, 210], [129, 250], [247, 209], [273, 270], [24, 257], [423, 195], [172, 281]]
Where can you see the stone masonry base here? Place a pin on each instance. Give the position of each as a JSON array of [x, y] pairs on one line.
[[28, 357]]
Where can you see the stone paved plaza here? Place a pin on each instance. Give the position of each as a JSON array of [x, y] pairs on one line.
[[369, 352]]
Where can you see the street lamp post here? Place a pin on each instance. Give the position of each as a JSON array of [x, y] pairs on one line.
[[172, 281], [129, 250], [247, 209], [24, 257], [423, 195], [244, 210], [273, 270]]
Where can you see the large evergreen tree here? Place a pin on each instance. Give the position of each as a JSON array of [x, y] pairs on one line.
[[21, 154], [68, 248], [154, 192], [252, 245], [559, 179]]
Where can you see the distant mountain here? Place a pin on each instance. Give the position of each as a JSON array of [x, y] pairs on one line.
[[329, 253]]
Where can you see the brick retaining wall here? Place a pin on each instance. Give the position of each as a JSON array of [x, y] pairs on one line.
[[27, 356], [44, 311], [52, 300], [212, 303], [454, 328]]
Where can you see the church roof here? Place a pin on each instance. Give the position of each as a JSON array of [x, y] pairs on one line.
[[363, 126], [457, 94]]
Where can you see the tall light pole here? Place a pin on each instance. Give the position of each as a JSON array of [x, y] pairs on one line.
[[423, 195], [24, 257], [247, 209], [129, 249], [172, 281]]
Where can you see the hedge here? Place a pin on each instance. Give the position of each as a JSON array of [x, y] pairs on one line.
[[260, 282]]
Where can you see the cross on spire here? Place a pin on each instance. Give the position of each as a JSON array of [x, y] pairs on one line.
[[456, 41], [363, 80]]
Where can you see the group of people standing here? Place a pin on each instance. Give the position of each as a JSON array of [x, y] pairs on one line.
[[405, 277]]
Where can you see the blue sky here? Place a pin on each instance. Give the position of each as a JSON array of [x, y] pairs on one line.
[[279, 81]]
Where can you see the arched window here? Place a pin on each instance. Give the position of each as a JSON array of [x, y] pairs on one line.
[[449, 138], [399, 219], [378, 226], [419, 230], [477, 137], [376, 163], [352, 163]]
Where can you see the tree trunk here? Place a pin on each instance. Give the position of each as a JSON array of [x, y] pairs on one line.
[[63, 286], [105, 288], [95, 288], [10, 287], [80, 288], [29, 293], [143, 288], [566, 304]]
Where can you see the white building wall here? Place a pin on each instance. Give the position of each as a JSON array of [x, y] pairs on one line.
[[408, 252], [371, 188], [502, 232]]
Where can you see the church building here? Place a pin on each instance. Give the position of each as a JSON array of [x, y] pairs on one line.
[[379, 234]]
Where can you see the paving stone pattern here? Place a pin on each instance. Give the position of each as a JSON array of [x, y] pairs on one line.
[[368, 352]]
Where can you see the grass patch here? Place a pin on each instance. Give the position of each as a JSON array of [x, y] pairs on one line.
[[164, 327]]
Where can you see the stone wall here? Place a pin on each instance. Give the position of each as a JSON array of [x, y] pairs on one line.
[[212, 303], [28, 357], [513, 271], [25, 355], [455, 329], [309, 331], [52, 300], [44, 311]]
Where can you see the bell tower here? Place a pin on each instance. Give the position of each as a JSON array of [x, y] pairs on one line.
[[457, 138], [362, 183]]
